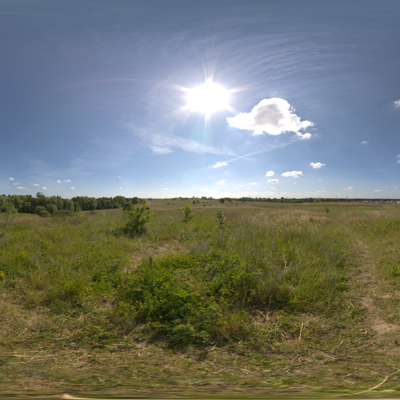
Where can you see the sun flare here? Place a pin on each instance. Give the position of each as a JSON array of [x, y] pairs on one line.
[[208, 98]]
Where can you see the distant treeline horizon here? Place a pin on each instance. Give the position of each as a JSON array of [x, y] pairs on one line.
[[52, 204]]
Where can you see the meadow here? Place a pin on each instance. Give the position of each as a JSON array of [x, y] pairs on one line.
[[260, 298]]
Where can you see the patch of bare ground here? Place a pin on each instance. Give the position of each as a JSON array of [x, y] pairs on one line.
[[368, 288]]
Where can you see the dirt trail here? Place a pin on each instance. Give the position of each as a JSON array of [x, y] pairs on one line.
[[367, 285]]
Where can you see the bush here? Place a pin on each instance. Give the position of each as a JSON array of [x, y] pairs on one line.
[[187, 213], [138, 216], [44, 213], [62, 214], [38, 209], [9, 213], [184, 295]]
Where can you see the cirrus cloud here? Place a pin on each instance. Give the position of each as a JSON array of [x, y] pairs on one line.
[[317, 165], [274, 116], [292, 174], [378, 190]]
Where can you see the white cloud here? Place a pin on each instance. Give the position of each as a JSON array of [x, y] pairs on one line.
[[378, 190], [22, 188], [317, 165], [273, 116], [15, 184], [120, 187], [273, 180], [58, 181], [274, 189], [222, 182], [119, 177], [303, 136], [270, 173], [364, 142], [44, 188], [397, 103], [320, 180], [220, 164], [253, 183], [395, 187], [36, 184], [165, 188], [11, 179], [205, 190], [351, 188], [295, 183], [292, 174], [387, 187], [240, 185], [398, 158], [73, 188], [67, 180]]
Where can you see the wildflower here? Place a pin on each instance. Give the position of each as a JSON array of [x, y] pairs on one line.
[[2, 275]]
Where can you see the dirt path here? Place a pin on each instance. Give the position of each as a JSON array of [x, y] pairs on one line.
[[368, 290]]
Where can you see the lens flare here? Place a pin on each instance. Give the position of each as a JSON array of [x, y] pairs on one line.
[[208, 98]]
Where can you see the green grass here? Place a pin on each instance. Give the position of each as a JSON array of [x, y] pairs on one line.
[[278, 284]]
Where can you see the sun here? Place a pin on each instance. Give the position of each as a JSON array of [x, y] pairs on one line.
[[208, 98]]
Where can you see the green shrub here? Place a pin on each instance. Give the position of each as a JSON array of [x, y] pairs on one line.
[[187, 213], [138, 216], [184, 295], [44, 213], [38, 209]]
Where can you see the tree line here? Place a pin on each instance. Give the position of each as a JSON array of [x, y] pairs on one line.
[[45, 206]]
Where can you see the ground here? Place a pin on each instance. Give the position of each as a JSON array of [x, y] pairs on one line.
[[349, 351]]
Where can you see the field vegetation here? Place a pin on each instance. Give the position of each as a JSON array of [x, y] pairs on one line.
[[202, 296]]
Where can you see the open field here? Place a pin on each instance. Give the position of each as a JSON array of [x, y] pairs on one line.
[[286, 299]]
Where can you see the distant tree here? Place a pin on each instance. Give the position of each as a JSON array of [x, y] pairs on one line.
[[9, 213], [221, 201]]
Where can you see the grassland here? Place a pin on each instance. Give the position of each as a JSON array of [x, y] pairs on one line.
[[287, 299]]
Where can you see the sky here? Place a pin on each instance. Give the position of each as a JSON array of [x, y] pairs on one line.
[[219, 98]]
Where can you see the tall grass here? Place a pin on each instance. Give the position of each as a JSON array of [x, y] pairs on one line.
[[208, 287]]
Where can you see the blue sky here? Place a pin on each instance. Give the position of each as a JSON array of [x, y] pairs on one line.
[[94, 98]]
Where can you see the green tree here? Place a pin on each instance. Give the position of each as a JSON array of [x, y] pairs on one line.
[[187, 213], [222, 201], [138, 216]]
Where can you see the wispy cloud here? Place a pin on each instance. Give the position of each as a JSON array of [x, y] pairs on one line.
[[36, 184], [58, 181], [11, 179], [273, 181], [317, 165], [397, 103], [220, 164], [73, 188], [364, 142], [378, 190], [221, 182], [292, 174], [165, 188], [398, 161], [253, 184], [270, 173], [22, 188], [67, 180], [15, 184], [273, 116], [44, 188]]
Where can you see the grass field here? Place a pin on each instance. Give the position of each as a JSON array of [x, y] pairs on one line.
[[285, 299]]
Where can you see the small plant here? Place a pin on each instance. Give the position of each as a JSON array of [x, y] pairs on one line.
[[187, 213], [327, 210], [9, 213], [138, 216], [220, 221]]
